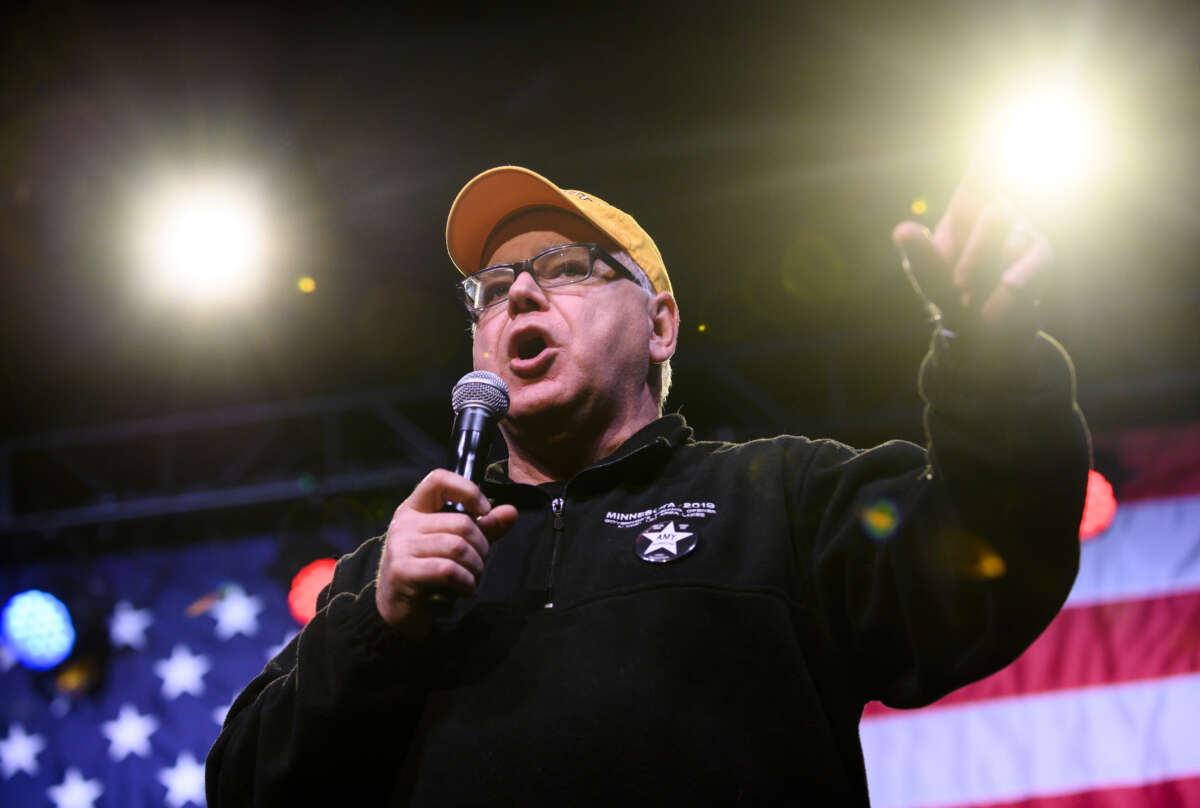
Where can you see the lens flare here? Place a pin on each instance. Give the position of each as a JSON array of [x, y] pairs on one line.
[[989, 565], [880, 519], [37, 629]]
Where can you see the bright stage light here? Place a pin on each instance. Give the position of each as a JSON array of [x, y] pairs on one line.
[[1099, 506], [306, 585], [202, 239], [1048, 139]]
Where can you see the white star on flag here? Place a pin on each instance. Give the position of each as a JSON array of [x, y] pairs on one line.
[[127, 626], [184, 781], [60, 706], [7, 660], [274, 650], [182, 672], [19, 751], [219, 714], [236, 612], [74, 791], [668, 538], [129, 733]]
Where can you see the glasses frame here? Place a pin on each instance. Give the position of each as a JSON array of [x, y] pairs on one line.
[[594, 251]]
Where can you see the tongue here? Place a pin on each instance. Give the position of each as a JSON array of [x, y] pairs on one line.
[[531, 348]]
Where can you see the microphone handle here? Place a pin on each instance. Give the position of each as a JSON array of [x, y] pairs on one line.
[[468, 458]]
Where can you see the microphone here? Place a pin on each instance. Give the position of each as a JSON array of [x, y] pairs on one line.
[[479, 401]]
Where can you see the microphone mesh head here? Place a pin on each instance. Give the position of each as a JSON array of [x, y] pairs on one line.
[[480, 388]]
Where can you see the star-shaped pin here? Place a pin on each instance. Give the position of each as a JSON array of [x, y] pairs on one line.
[[182, 672], [184, 781], [129, 733], [19, 751], [236, 612], [666, 539], [127, 626], [74, 791]]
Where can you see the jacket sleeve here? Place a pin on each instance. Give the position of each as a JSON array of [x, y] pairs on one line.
[[343, 696], [934, 568]]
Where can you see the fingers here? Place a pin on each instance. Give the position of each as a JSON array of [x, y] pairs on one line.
[[458, 538], [1021, 238], [426, 553], [441, 486], [966, 204], [498, 522], [980, 255], [418, 575], [428, 550], [981, 261], [457, 524], [1020, 285], [1027, 272], [450, 546]]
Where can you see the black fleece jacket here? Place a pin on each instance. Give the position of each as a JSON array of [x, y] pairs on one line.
[[821, 577]]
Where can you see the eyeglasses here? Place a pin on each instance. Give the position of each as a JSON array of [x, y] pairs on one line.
[[557, 266]]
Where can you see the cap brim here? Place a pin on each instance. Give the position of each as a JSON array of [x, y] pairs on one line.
[[486, 200]]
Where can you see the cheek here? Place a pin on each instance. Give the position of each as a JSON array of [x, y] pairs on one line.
[[620, 337], [483, 349]]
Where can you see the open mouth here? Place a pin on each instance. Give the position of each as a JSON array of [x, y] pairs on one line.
[[530, 346]]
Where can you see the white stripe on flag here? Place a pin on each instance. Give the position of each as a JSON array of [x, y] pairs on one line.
[[1151, 548], [1050, 743]]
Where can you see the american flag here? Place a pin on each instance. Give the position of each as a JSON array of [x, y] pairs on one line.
[[1103, 710], [190, 629]]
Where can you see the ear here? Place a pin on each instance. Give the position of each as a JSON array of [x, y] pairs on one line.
[[664, 326]]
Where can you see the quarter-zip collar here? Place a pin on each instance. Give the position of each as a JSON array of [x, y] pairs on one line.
[[666, 432], [650, 444]]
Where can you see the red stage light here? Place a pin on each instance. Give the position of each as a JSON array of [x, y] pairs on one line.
[[308, 583], [1099, 506]]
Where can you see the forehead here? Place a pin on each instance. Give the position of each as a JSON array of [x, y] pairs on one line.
[[527, 233]]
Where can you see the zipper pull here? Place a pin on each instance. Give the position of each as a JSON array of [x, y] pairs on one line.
[[556, 507]]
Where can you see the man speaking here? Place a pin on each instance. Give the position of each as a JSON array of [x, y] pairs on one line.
[[641, 617]]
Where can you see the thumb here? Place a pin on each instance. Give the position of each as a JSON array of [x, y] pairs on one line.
[[498, 521]]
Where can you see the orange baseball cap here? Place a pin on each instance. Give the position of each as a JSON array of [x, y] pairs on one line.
[[491, 197]]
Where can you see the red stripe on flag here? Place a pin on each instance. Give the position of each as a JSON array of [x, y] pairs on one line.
[[1096, 645], [1167, 794], [1153, 463]]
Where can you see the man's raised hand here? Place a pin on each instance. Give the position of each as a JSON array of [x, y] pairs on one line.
[[427, 551], [982, 265]]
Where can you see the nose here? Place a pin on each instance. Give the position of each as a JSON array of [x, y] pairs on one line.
[[526, 295]]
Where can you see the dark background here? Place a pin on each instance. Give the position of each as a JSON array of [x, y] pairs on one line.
[[768, 148]]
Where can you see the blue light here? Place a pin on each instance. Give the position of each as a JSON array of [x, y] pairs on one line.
[[37, 629]]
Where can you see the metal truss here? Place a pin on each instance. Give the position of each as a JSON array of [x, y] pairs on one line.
[[386, 440], [270, 452]]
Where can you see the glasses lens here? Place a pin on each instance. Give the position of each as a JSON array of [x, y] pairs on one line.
[[556, 267], [488, 288], [570, 264]]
